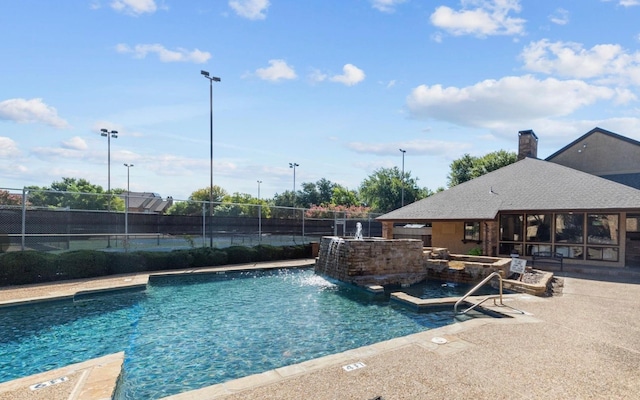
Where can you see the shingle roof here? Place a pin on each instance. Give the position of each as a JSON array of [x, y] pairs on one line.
[[529, 184]]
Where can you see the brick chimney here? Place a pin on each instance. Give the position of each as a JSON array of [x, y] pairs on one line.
[[527, 144]]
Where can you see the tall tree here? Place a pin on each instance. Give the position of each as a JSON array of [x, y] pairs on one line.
[[198, 199], [318, 193], [344, 197], [468, 167], [284, 199], [242, 205], [77, 194], [382, 190]]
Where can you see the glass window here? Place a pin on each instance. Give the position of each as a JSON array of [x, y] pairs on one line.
[[571, 251], [538, 248], [602, 229], [569, 228], [511, 227], [510, 248], [472, 231], [538, 227], [602, 253], [633, 223]]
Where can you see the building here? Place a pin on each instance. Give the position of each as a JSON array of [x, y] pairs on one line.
[[535, 206], [148, 203], [603, 153]]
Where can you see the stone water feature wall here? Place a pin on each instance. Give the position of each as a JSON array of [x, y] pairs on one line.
[[400, 262], [371, 261], [465, 269]]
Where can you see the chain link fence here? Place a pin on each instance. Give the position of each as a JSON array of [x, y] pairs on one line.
[[55, 221]]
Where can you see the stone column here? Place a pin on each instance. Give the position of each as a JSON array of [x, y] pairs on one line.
[[490, 237], [387, 229]]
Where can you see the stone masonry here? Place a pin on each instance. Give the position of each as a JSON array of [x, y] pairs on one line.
[[371, 261]]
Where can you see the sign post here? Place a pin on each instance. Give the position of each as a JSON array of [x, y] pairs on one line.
[[518, 265]]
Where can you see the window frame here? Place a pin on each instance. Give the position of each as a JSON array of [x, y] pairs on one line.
[[477, 237]]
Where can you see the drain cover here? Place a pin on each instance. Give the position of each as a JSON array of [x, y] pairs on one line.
[[439, 340]]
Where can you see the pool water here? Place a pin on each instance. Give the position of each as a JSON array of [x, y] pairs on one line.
[[183, 333], [435, 289]]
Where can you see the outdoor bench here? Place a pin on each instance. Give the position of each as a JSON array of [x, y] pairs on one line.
[[547, 256]]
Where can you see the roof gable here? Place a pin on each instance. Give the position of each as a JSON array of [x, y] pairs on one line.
[[529, 184], [595, 130]]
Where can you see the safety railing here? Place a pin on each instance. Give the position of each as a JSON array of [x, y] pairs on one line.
[[475, 288]]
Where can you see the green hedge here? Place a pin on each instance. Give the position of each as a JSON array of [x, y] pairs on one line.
[[26, 267], [19, 268]]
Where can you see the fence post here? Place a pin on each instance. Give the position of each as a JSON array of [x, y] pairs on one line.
[[24, 217], [259, 222], [204, 226]]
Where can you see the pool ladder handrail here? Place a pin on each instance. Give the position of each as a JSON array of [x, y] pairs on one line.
[[475, 288]]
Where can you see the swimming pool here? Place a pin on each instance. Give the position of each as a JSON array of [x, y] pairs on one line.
[[187, 332]]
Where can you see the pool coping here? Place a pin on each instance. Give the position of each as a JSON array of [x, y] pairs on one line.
[[94, 379]]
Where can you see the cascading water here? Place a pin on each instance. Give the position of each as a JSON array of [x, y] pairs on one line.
[[334, 250]]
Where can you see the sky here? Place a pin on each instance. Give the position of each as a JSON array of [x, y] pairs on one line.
[[335, 86]]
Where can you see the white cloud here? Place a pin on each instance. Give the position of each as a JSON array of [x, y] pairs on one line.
[[413, 147], [387, 6], [250, 9], [134, 7], [351, 75], [603, 61], [165, 55], [75, 143], [493, 103], [8, 148], [53, 153], [34, 110], [480, 18], [317, 76], [277, 70], [560, 17]]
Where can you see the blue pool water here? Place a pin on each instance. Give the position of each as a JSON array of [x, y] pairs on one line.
[[183, 333]]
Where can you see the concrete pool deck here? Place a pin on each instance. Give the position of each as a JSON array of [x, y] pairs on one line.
[[582, 344]]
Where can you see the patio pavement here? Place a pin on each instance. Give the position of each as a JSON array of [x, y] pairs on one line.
[[583, 344]]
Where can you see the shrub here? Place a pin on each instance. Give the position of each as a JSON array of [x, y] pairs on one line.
[[155, 261], [268, 252], [298, 251], [82, 264], [179, 259], [241, 254], [476, 251], [207, 257], [123, 263], [23, 267]]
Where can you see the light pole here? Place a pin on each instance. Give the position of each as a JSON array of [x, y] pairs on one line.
[[402, 201], [294, 165], [211, 80], [126, 208], [259, 182], [113, 134]]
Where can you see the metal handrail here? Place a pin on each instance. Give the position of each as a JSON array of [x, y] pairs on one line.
[[475, 288]]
